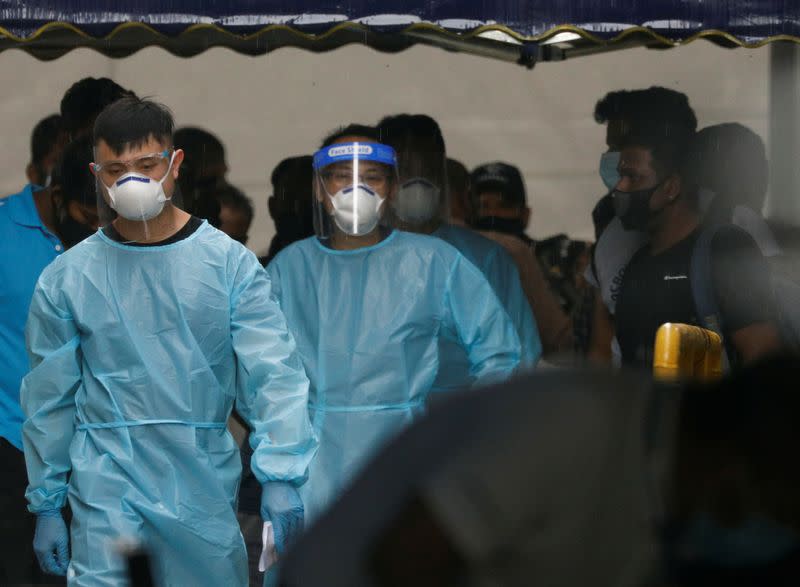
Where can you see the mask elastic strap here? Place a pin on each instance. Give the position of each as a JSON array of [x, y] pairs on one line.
[[171, 160], [161, 181], [355, 187], [421, 180]]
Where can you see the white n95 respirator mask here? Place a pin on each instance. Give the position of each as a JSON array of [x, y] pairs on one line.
[[356, 209], [417, 201]]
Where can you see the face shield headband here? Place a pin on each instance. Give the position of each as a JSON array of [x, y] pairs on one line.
[[347, 152], [356, 196]]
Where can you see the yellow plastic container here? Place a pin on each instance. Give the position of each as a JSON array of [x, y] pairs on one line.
[[687, 352]]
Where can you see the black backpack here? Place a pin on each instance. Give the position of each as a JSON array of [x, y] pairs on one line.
[[785, 288]]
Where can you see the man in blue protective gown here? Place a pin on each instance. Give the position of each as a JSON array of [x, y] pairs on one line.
[[421, 206], [367, 306], [141, 338]]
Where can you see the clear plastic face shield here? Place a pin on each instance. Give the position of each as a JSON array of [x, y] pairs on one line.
[[353, 183], [422, 201], [134, 186]]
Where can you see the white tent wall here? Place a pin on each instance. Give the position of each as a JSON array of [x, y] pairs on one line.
[[269, 107]]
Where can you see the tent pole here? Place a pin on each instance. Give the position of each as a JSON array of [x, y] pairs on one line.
[[784, 133]]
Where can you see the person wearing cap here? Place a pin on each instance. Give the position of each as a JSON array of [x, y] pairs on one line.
[[367, 306], [500, 213], [499, 200], [501, 206]]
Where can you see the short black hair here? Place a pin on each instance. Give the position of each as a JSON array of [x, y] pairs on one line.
[[87, 98], [130, 122], [457, 175], [655, 105], [291, 167], [354, 130], [73, 175], [730, 160], [399, 130], [230, 196], [201, 148], [292, 181], [45, 136]]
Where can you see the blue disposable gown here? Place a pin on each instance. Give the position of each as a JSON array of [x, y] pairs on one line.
[[367, 324], [138, 354], [502, 274]]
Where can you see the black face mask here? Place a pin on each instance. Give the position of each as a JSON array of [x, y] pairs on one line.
[[513, 226], [633, 208], [72, 232]]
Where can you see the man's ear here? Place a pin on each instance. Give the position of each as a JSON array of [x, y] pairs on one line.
[[57, 197], [672, 187], [32, 174], [176, 162], [74, 210], [526, 216]]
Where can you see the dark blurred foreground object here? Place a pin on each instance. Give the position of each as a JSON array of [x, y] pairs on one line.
[[545, 480], [736, 509], [18, 564], [140, 570], [577, 478]]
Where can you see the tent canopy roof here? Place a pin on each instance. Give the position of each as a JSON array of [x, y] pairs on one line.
[[526, 31]]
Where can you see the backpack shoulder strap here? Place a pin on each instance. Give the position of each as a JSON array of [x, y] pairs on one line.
[[700, 278]]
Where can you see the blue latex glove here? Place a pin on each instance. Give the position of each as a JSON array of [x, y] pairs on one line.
[[281, 505], [51, 542]]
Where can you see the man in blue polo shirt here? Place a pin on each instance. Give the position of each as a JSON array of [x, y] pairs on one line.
[[28, 242]]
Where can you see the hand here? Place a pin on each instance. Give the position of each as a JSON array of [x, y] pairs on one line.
[[281, 505], [51, 543]]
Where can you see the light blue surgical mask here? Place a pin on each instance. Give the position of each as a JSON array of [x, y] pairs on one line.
[[608, 168]]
